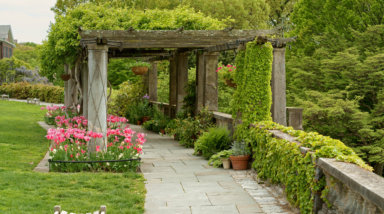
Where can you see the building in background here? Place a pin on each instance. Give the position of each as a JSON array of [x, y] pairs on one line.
[[7, 43]]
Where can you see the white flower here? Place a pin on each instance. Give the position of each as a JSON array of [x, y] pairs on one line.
[[54, 151], [121, 155]]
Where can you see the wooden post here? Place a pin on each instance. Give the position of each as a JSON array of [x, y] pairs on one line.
[[295, 117], [97, 95], [211, 93], [278, 87], [172, 85], [200, 81], [67, 94], [182, 79], [152, 82]]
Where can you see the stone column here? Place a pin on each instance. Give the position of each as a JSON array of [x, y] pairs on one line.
[[295, 117], [97, 94], [200, 81], [182, 79], [84, 86], [172, 85], [152, 82], [278, 87], [211, 93]]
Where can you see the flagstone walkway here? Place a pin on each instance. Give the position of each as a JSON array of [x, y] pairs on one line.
[[179, 182]]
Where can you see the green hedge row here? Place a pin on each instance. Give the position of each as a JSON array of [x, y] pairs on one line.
[[282, 162], [23, 90]]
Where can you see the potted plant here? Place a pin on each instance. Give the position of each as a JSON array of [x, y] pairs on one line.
[[221, 158], [146, 110], [228, 72], [240, 155], [140, 68]]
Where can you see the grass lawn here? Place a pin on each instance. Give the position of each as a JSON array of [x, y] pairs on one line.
[[23, 145]]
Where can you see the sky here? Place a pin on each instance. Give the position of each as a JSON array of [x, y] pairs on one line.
[[29, 19]]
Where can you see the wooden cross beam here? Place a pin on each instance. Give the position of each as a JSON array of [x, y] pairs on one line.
[[136, 53], [168, 38]]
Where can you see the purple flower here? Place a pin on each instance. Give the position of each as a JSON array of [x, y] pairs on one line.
[[146, 96]]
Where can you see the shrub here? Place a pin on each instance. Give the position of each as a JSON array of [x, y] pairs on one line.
[[158, 122], [216, 159], [125, 101], [189, 129], [24, 90], [213, 141]]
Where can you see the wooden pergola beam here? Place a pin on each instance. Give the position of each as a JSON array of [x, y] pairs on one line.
[[167, 38], [135, 53], [276, 43]]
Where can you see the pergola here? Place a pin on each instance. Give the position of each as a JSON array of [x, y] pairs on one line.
[[175, 46]]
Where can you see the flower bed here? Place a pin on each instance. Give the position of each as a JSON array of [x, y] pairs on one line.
[[69, 150]]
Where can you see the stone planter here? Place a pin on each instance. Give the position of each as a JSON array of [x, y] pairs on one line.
[[139, 70], [240, 162], [226, 163]]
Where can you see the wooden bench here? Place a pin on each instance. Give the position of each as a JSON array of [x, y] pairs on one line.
[[5, 97], [103, 210], [33, 101]]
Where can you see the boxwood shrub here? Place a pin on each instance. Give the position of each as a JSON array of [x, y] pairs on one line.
[[24, 90]]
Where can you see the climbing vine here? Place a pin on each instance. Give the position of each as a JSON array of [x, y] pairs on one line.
[[253, 97], [282, 162]]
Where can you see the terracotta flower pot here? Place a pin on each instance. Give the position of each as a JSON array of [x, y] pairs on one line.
[[140, 70], [230, 83], [162, 131], [146, 118], [138, 122], [240, 162]]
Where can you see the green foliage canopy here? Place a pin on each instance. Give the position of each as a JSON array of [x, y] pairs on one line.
[[63, 40]]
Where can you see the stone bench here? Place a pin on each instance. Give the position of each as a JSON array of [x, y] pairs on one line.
[[5, 97], [103, 210], [33, 101]]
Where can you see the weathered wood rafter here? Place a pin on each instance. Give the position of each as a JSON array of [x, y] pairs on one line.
[[167, 38], [137, 53]]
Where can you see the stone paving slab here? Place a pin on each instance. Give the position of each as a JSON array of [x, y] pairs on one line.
[[179, 182], [43, 166]]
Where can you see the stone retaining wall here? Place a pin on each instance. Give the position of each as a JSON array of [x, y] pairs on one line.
[[352, 189]]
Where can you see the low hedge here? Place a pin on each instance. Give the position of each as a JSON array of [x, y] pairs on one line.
[[282, 162], [24, 90]]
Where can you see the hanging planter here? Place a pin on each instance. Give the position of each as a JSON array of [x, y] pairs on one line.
[[140, 70], [65, 77], [230, 83]]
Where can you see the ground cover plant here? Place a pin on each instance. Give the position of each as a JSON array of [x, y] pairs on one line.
[[23, 145]]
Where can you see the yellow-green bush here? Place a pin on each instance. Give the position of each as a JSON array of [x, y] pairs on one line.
[[24, 90]]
